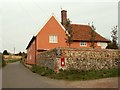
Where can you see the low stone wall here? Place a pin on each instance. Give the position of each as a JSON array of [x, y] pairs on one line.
[[47, 59], [87, 59], [82, 59]]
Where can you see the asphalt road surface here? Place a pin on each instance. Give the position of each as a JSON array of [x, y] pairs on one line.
[[15, 75]]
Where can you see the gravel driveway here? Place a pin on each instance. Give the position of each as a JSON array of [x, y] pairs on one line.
[[15, 75]]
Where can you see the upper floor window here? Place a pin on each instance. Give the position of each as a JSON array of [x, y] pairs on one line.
[[53, 39], [83, 44]]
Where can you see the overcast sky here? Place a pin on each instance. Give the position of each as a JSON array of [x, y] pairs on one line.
[[21, 19]]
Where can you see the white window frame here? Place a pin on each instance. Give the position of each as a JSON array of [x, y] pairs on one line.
[[53, 39], [83, 43]]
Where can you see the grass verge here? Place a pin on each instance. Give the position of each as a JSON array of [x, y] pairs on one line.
[[76, 74], [12, 61], [3, 63]]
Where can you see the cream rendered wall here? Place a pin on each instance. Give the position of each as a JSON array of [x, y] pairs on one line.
[[102, 44]]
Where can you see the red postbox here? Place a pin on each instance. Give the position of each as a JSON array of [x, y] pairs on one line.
[[62, 62]]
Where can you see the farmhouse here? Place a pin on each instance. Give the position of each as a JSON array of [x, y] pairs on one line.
[[53, 34]]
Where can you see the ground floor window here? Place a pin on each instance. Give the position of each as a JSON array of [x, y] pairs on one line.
[[83, 44]]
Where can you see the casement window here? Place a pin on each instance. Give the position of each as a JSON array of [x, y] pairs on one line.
[[53, 39], [83, 44]]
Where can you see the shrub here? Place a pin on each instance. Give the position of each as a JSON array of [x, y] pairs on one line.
[[73, 74], [5, 52], [12, 61], [112, 46], [86, 75], [42, 70], [3, 63]]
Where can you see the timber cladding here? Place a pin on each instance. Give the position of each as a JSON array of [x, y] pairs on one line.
[[82, 59]]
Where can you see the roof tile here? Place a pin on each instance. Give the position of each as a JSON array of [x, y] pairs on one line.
[[82, 33]]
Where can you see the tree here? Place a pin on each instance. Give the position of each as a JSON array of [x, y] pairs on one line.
[[92, 36], [113, 44], [114, 35], [5, 52], [24, 53], [69, 32], [20, 54], [3, 61]]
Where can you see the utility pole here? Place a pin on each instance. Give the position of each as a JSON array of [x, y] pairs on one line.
[[61, 8], [14, 50]]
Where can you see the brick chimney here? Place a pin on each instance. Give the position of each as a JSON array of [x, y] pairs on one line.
[[63, 17]]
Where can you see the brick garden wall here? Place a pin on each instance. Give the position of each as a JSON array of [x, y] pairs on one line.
[[82, 59]]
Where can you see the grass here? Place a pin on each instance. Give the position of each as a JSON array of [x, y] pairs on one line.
[[87, 75], [0, 64], [12, 61], [3, 63], [42, 71], [76, 74]]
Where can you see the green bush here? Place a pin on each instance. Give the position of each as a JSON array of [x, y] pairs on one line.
[[3, 63], [76, 74], [12, 61], [112, 46], [42, 70], [86, 75]]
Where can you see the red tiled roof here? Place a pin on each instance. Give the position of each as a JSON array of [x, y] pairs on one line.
[[82, 33]]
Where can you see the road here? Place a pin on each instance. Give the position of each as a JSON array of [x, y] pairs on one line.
[[15, 75], [0, 78]]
